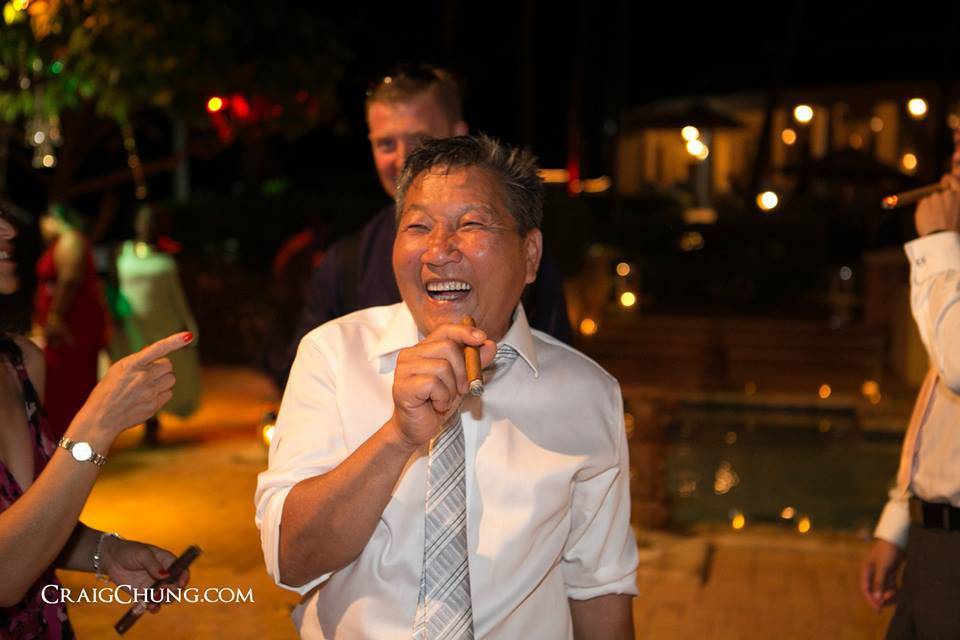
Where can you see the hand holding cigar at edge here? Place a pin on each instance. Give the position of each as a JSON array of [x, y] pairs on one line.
[[940, 211], [431, 379]]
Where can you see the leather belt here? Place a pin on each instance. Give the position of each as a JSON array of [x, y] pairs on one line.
[[934, 515]]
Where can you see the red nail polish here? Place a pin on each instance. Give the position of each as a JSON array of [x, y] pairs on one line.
[[164, 572], [187, 337]]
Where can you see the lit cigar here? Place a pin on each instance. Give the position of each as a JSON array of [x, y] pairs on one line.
[[472, 357], [911, 197]]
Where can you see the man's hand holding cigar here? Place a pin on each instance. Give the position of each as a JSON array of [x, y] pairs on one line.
[[940, 211], [431, 380]]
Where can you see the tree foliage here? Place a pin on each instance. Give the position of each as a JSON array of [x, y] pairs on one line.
[[126, 55]]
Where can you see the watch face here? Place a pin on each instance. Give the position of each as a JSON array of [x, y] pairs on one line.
[[82, 451]]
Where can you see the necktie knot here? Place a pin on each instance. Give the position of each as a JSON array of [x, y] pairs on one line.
[[506, 356]]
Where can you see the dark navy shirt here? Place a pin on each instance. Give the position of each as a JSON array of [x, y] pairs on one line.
[[373, 284]]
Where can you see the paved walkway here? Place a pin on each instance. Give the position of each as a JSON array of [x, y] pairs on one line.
[[199, 488]]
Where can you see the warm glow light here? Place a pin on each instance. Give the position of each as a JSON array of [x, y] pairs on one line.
[[917, 108], [824, 391], [628, 299], [739, 521], [875, 398], [856, 140], [788, 513], [876, 124], [49, 161], [554, 176], [768, 201], [803, 524], [623, 269], [690, 133], [588, 326], [267, 434], [870, 387], [750, 388], [597, 185], [908, 161], [691, 241], [789, 136], [803, 113], [953, 121], [214, 104], [695, 148], [700, 215]]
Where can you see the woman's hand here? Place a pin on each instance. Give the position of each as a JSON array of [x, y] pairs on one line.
[[136, 565], [134, 388]]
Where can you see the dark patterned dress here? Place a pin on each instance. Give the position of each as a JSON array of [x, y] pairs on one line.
[[31, 617]]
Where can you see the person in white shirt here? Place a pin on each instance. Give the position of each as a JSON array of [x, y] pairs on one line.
[[354, 488], [920, 524]]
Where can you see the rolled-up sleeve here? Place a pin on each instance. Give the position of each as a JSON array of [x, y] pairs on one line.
[[894, 522], [600, 557], [308, 441]]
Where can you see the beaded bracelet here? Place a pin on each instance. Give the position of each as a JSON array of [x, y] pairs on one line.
[[98, 556]]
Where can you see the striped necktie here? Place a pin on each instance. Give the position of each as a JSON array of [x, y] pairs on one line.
[[444, 608]]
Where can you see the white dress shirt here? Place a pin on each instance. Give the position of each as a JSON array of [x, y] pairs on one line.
[[548, 499], [930, 465]]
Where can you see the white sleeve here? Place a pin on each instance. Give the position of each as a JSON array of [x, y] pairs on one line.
[[600, 556], [308, 441], [934, 293], [894, 523]]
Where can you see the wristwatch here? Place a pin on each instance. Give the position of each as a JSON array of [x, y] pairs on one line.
[[81, 451]]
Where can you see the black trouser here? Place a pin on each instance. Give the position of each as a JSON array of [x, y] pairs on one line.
[[928, 605]]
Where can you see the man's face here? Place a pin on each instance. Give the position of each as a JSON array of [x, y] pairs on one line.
[[458, 252], [396, 128]]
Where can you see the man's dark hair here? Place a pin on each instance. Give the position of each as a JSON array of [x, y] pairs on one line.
[[409, 81], [516, 168]]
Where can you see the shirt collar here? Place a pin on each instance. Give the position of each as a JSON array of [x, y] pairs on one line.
[[401, 332]]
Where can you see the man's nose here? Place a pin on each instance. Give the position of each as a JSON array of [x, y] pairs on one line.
[[402, 150], [442, 247]]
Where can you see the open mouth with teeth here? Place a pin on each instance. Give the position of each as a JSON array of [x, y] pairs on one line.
[[448, 290]]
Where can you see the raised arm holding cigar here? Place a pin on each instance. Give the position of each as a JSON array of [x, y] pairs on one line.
[[920, 524], [400, 504]]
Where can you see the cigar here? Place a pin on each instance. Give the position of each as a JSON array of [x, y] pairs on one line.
[[179, 566], [910, 197], [472, 357]]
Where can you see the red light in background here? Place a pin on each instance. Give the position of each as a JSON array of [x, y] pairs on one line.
[[240, 106]]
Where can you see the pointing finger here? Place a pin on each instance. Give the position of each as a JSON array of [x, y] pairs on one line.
[[161, 348]]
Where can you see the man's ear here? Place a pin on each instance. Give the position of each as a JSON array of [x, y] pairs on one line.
[[461, 128], [533, 251]]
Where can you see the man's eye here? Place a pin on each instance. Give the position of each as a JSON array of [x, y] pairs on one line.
[[386, 145], [415, 226]]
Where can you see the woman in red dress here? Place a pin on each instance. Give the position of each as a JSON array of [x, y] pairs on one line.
[[45, 483], [70, 312]]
